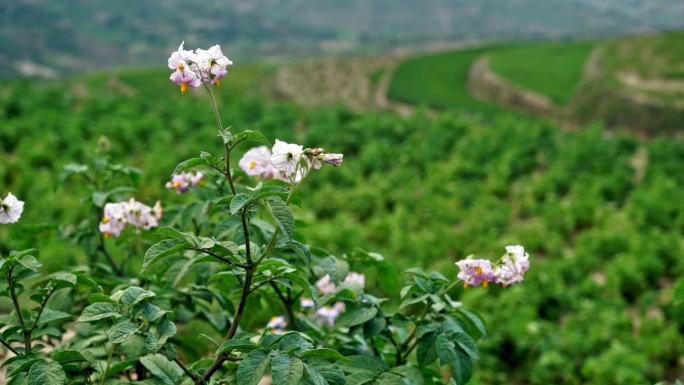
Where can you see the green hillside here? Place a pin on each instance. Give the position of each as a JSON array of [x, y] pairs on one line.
[[437, 80], [602, 215], [633, 82], [552, 69]]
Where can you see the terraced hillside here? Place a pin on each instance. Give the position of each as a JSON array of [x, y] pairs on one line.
[[635, 82]]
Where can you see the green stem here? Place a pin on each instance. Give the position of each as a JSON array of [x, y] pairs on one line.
[[287, 304], [233, 329], [219, 126], [40, 310], [11, 349], [15, 301], [185, 369]]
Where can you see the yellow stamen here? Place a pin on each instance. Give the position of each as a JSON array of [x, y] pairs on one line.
[[485, 284], [251, 164], [465, 286], [184, 87], [181, 67], [175, 184], [217, 83], [106, 236], [478, 270], [105, 220]]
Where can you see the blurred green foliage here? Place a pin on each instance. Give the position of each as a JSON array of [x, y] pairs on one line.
[[602, 214]]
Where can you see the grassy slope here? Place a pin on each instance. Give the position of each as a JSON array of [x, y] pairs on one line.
[[555, 70], [552, 69], [437, 80]]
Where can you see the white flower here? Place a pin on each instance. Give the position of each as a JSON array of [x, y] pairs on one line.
[[257, 162], [118, 215], [514, 264], [213, 64], [10, 209], [325, 285], [285, 157], [334, 159], [306, 303], [183, 181], [354, 278], [277, 324], [114, 219], [182, 62], [328, 314]]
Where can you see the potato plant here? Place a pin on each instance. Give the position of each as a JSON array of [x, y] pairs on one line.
[[280, 310]]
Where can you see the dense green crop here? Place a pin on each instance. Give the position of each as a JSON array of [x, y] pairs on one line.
[[602, 214]]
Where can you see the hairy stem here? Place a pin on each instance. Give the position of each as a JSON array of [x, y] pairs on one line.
[[287, 304], [6, 345], [40, 309], [185, 369], [15, 301], [103, 248], [233, 329]]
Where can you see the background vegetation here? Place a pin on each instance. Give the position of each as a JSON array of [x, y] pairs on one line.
[[601, 213]]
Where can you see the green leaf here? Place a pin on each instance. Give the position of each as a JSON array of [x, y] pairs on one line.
[[474, 321], [30, 262], [238, 202], [162, 249], [167, 371], [68, 357], [283, 216], [252, 136], [411, 375], [321, 372], [64, 279], [189, 163], [240, 345], [325, 353], [42, 373], [134, 294], [466, 343], [426, 351], [252, 367], [301, 249], [98, 311], [356, 316], [463, 368], [286, 370], [445, 349], [50, 315], [121, 330], [401, 375], [370, 366]]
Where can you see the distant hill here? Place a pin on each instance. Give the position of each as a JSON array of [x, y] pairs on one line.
[[635, 82], [46, 36]]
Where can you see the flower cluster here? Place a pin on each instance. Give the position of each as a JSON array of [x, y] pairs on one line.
[[10, 209], [328, 314], [326, 286], [131, 212], [183, 181], [257, 162], [194, 68], [510, 269], [286, 161], [277, 324]]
